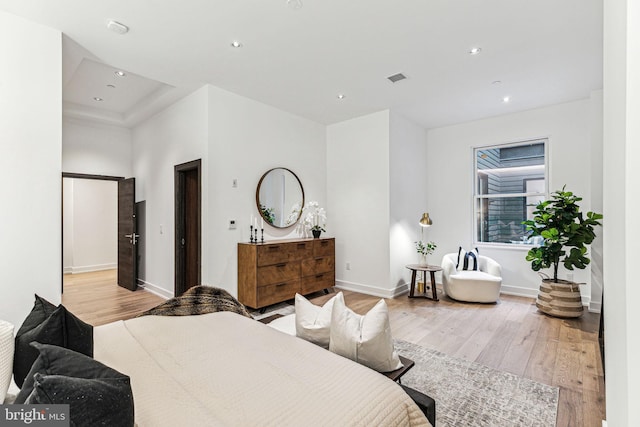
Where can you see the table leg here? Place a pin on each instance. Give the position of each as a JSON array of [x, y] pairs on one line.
[[413, 283], [434, 293]]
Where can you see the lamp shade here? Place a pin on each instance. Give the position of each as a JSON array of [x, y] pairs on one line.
[[425, 221]]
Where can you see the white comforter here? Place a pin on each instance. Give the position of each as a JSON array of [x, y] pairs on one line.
[[222, 369]]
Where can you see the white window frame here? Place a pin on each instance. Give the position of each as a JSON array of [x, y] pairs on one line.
[[477, 197]]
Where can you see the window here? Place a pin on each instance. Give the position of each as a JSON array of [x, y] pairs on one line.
[[509, 179]]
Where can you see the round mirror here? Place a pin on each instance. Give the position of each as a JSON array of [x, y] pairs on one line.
[[280, 197]]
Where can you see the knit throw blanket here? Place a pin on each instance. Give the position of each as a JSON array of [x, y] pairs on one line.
[[199, 300]]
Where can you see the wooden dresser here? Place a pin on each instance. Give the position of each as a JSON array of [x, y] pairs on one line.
[[273, 272]]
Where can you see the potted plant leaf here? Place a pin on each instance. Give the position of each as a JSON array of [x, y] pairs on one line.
[[566, 232]]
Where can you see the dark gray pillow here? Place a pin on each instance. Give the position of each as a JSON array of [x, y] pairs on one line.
[[40, 311], [49, 325], [97, 395]]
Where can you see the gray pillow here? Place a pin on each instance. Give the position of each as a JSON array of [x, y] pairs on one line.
[[49, 324], [97, 395]]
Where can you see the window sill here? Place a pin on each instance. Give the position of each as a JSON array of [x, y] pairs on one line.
[[509, 246]]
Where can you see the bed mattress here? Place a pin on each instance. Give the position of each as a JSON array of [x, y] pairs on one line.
[[222, 369]]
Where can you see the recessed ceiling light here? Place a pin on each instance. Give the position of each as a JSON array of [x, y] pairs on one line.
[[120, 73], [236, 43], [117, 27], [98, 99], [341, 96], [294, 4], [506, 99], [475, 50], [496, 82], [111, 86]]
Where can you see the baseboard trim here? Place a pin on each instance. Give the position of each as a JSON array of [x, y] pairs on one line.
[[372, 290], [154, 289], [90, 268], [595, 307], [519, 292], [533, 293]]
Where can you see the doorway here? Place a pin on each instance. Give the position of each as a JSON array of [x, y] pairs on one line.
[[88, 224], [188, 187]]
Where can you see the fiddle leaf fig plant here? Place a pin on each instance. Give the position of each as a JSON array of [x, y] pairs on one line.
[[565, 232]]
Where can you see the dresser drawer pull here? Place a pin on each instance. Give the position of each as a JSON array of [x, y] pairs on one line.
[[319, 276], [282, 265], [324, 243], [302, 245], [274, 248], [319, 259], [281, 284]]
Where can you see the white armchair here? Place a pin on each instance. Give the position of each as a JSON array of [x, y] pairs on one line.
[[482, 285]]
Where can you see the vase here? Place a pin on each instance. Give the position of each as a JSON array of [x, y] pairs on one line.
[[423, 259], [316, 233], [560, 299]]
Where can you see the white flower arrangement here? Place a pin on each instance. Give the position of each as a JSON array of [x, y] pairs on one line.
[[315, 217], [294, 214]]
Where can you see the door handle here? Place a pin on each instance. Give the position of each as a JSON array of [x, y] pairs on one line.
[[133, 238]]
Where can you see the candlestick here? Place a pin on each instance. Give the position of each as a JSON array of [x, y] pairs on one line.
[[251, 234], [255, 240], [262, 235]]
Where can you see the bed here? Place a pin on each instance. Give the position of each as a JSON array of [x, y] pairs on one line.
[[228, 370]]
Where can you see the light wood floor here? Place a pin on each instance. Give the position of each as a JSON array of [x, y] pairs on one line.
[[510, 336], [97, 299]]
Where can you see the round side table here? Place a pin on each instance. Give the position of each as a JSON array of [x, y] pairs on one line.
[[431, 269]]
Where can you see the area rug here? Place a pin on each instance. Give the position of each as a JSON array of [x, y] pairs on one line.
[[283, 308], [470, 394]]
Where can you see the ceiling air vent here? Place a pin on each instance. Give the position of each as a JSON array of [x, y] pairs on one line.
[[397, 77]]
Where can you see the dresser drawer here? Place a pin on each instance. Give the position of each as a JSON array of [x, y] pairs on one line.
[[300, 250], [272, 254], [324, 247], [278, 273], [317, 282], [318, 265], [278, 292]]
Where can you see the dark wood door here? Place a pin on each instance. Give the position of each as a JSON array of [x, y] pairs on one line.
[[188, 226], [127, 237]]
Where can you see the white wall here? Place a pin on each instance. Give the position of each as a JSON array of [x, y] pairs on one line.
[[408, 164], [176, 135], [247, 138], [30, 129], [90, 214], [358, 195], [621, 206], [96, 149], [450, 179], [236, 138], [596, 173]]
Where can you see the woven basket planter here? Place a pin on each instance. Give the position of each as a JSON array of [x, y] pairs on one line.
[[560, 299]]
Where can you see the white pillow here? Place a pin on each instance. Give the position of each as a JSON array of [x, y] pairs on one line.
[[364, 339], [7, 344], [467, 260], [313, 323]]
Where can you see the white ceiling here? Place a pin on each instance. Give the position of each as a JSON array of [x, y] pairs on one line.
[[543, 52]]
